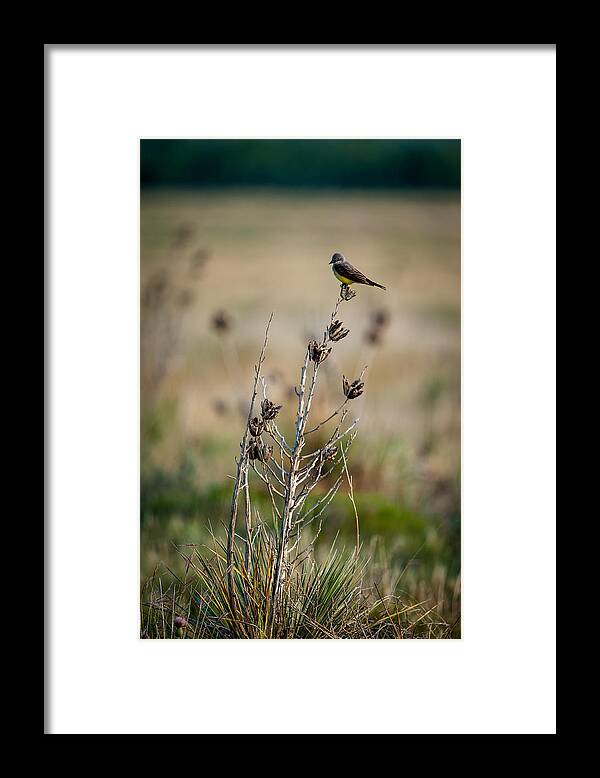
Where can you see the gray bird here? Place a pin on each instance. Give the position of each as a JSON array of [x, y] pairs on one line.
[[347, 273]]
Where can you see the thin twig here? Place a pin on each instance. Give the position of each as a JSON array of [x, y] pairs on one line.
[[335, 413], [242, 465], [351, 495]]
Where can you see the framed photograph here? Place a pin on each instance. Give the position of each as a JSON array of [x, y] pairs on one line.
[[300, 421], [302, 416]]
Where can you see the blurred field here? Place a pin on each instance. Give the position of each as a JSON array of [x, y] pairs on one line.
[[244, 254]]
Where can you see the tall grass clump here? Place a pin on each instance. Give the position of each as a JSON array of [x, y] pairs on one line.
[[264, 580]]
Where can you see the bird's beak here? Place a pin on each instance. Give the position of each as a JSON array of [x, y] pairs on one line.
[[331, 260]]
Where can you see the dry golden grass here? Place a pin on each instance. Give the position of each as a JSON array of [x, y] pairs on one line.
[[250, 253], [268, 251]]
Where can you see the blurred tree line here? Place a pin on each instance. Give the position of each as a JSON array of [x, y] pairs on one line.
[[409, 164]]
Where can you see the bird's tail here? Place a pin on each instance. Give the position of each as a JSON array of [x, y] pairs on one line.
[[374, 284]]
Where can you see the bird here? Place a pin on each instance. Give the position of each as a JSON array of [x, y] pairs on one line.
[[347, 273]]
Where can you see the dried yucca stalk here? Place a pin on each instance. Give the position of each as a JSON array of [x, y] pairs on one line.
[[289, 473]]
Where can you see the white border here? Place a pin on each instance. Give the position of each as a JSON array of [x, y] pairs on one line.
[[500, 677]]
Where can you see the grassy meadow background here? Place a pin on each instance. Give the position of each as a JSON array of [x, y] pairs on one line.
[[223, 246]]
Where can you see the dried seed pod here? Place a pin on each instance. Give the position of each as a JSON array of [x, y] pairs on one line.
[[373, 336], [220, 407], [221, 322], [156, 290], [183, 234], [336, 331], [354, 389], [379, 321], [334, 326], [259, 451], [199, 258], [254, 450], [256, 426], [346, 293], [318, 352], [185, 298], [328, 453], [269, 410], [380, 317]]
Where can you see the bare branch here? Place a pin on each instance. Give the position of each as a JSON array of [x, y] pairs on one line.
[[300, 481], [274, 474], [278, 438], [326, 499], [342, 435], [265, 479], [335, 413], [351, 495], [243, 463]]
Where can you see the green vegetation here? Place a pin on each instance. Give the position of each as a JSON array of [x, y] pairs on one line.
[[410, 164], [318, 599], [214, 266]]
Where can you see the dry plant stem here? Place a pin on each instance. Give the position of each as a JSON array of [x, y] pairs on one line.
[[290, 489], [319, 475], [248, 517], [329, 418], [293, 480], [351, 495], [263, 477], [272, 430], [289, 477], [242, 466], [336, 436]]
